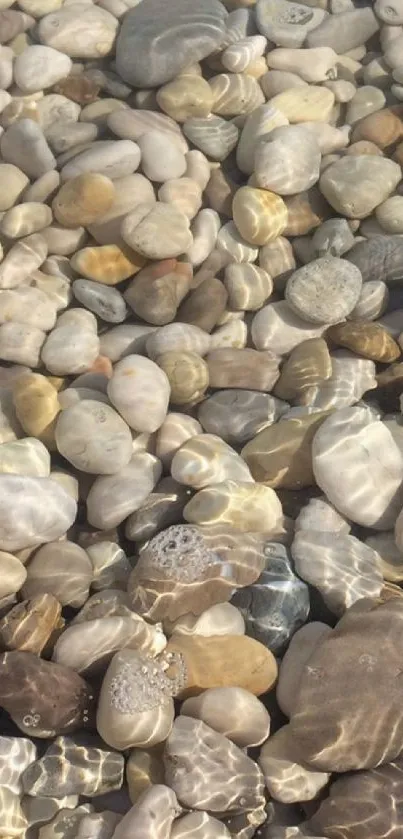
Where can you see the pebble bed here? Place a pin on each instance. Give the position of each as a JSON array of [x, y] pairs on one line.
[[201, 440]]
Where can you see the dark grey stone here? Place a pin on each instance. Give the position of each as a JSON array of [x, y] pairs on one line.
[[277, 604], [160, 37]]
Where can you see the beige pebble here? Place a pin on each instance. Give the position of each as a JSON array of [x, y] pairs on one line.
[[188, 376], [144, 769], [130, 191], [33, 511], [311, 103], [277, 81], [176, 429], [25, 219], [287, 161], [157, 231], [178, 337], [43, 188], [356, 185], [233, 335], [13, 574], [57, 289], [132, 124], [83, 200], [247, 507], [242, 368], [312, 65], [62, 569], [204, 230], [234, 246], [63, 136], [108, 264], [39, 8], [23, 257], [94, 438], [301, 647], [12, 184], [259, 215], [70, 350], [206, 459], [238, 57], [64, 241], [197, 168], [234, 94], [123, 719], [247, 285], [389, 214], [139, 390], [184, 193], [233, 712], [79, 31], [161, 157], [257, 124], [21, 343], [25, 145], [39, 67], [112, 158], [153, 813], [27, 305], [25, 457], [186, 96], [112, 498], [220, 619]]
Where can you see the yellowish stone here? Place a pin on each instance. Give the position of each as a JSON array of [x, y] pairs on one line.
[[107, 264], [185, 97], [308, 104], [259, 215], [37, 406]]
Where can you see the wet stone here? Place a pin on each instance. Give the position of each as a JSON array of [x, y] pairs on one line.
[[277, 604], [29, 625], [70, 769]]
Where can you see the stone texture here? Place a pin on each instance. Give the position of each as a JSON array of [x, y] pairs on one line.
[[155, 43], [361, 655], [247, 507], [94, 438], [302, 646], [33, 511], [181, 570], [161, 509], [237, 415], [308, 366], [68, 768], [60, 568], [207, 771], [153, 813], [286, 26], [232, 711], [157, 231], [83, 199], [287, 160], [356, 184], [370, 340], [286, 776], [238, 368], [114, 497], [281, 455], [325, 290], [207, 459], [79, 31], [29, 686], [29, 625], [379, 258], [277, 604], [158, 289], [344, 31], [143, 404], [259, 215], [188, 376]]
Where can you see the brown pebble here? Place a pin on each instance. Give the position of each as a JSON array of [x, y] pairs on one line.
[[384, 128], [308, 366], [365, 338], [220, 191], [158, 289], [78, 88], [44, 698], [364, 147], [223, 661], [29, 625], [83, 200], [242, 368], [205, 305], [305, 212], [37, 406]]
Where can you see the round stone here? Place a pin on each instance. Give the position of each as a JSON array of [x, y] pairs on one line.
[[247, 507], [156, 41], [39, 67], [185, 97], [83, 200], [106, 302], [259, 215], [188, 376], [157, 231], [324, 291], [140, 391], [232, 711], [80, 31], [94, 438], [356, 184]]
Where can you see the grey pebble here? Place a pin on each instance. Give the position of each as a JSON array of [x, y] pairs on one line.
[[104, 301], [24, 144]]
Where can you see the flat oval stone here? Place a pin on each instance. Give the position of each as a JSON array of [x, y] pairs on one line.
[[276, 604], [238, 777], [29, 625], [233, 712], [94, 438], [352, 657], [107, 303], [79, 31], [114, 497], [39, 67], [47, 573], [341, 567], [237, 415], [206, 459], [83, 199], [181, 569], [139, 390], [112, 158], [356, 185], [27, 218], [28, 688], [60, 771], [155, 43], [161, 157], [247, 507], [324, 291], [33, 511], [370, 340], [371, 492]]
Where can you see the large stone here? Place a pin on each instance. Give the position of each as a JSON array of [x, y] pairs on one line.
[[182, 569], [349, 692], [156, 41], [287, 778], [356, 184], [232, 711], [207, 771]]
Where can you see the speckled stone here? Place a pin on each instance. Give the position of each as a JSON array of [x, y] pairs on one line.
[[325, 290], [277, 604]]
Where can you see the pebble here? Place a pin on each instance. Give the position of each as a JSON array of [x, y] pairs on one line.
[[238, 368], [160, 584], [84, 199], [308, 365], [313, 103], [367, 339], [70, 349], [157, 291], [206, 459], [144, 405], [157, 231], [24, 145], [79, 31], [154, 812], [188, 376], [199, 824], [286, 26], [162, 508], [94, 438], [235, 94], [286, 777], [114, 497], [238, 782], [221, 619], [205, 305], [185, 97], [345, 31], [259, 215], [324, 291], [247, 507], [184, 193], [302, 646], [355, 436], [257, 125], [106, 302], [47, 573], [29, 625], [112, 158], [287, 161], [233, 712], [33, 510], [237, 415], [39, 67], [60, 771], [213, 135], [355, 185]]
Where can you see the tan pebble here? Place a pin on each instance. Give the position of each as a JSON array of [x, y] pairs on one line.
[[247, 285], [29, 625], [362, 147], [306, 211], [220, 619], [124, 720], [204, 305], [312, 65], [311, 103], [384, 128], [144, 769], [157, 231], [24, 256], [37, 406], [184, 193], [29, 305], [220, 191], [247, 507], [242, 368], [206, 459], [235, 93], [186, 96], [223, 661], [25, 219], [231, 711], [367, 339], [259, 215], [281, 455], [204, 228], [47, 573], [287, 778], [12, 184], [84, 199], [157, 291], [139, 390], [175, 430], [307, 366], [130, 191], [178, 337], [277, 81], [79, 88], [188, 376], [56, 288], [107, 264]]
